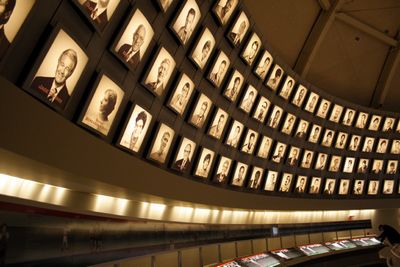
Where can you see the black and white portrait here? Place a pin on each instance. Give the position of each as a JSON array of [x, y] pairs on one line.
[[275, 77], [312, 102], [162, 143], [382, 145], [363, 165], [223, 10], [239, 175], [315, 133], [255, 178], [362, 120], [239, 29], [248, 99], [377, 166], [204, 163], [249, 142], [263, 66], [293, 157], [323, 108], [300, 95], [287, 127], [349, 164], [349, 117], [219, 69], [315, 185], [271, 180], [388, 125], [344, 186], [251, 50], [275, 117], [222, 172], [328, 138], [136, 129], [375, 123], [134, 40], [329, 188], [355, 142], [388, 186], [286, 181], [336, 113], [234, 86], [395, 149], [181, 94], [341, 140], [164, 4], [301, 183], [391, 167], [262, 108], [160, 72], [99, 11], [103, 106], [60, 71], [218, 123], [373, 187], [265, 147], [235, 133], [358, 187], [307, 159], [287, 87], [322, 162], [200, 111], [279, 153], [187, 21], [203, 49], [334, 166], [302, 128], [183, 158], [368, 144]]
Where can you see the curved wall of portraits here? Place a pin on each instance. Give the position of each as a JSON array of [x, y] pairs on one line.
[[192, 87]]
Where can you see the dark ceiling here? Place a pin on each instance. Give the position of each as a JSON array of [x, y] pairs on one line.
[[349, 48]]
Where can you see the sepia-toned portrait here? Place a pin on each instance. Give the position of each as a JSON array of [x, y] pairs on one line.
[[398, 130], [302, 128], [315, 185], [275, 117], [363, 165], [233, 87], [239, 175], [160, 72], [183, 158], [60, 71], [344, 186], [368, 144], [99, 12], [349, 164], [203, 49], [395, 149], [287, 127], [134, 41], [103, 105], [275, 77], [355, 142], [234, 134], [349, 117], [200, 111], [223, 10], [286, 181], [186, 21], [218, 123], [239, 29], [312, 102], [222, 172], [334, 166], [181, 94], [204, 163], [255, 178], [382, 145], [287, 87], [262, 108], [388, 187], [136, 129], [388, 125], [300, 95], [307, 159], [392, 167], [315, 133], [327, 138], [249, 142], [263, 66], [375, 123], [301, 183], [293, 158], [248, 99], [265, 147], [341, 140], [358, 187], [164, 4], [336, 113], [373, 187], [322, 161], [270, 182], [279, 153], [219, 69], [323, 108], [377, 166], [251, 50], [329, 188], [362, 120], [162, 143]]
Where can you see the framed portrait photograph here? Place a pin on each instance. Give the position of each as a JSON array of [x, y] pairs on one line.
[[315, 185], [13, 16], [302, 128], [184, 155], [219, 69], [286, 181], [186, 21], [181, 94], [204, 163], [348, 117], [249, 142], [239, 29], [375, 123], [395, 149], [98, 12], [287, 87], [344, 186], [336, 113], [164, 4], [235, 133], [315, 133], [218, 124], [223, 10], [307, 159], [349, 164], [293, 158], [251, 50], [363, 165], [200, 111], [134, 40], [265, 147], [264, 64], [234, 86], [392, 167], [275, 77], [341, 140], [161, 143], [239, 175], [287, 127], [323, 108], [329, 188], [398, 127], [262, 109], [104, 104], [373, 187], [279, 153], [388, 125], [382, 146], [301, 183], [355, 142], [388, 186], [135, 129], [248, 99], [322, 161], [222, 172], [328, 138], [275, 117], [368, 144], [300, 95], [312, 102], [334, 166], [255, 178], [203, 49], [61, 68], [377, 166], [270, 182], [358, 187], [159, 75], [362, 120]]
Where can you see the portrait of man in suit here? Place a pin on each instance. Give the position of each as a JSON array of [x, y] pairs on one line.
[[6, 9], [239, 29], [183, 163], [315, 185], [158, 86], [293, 157], [301, 185], [271, 181], [264, 65], [162, 143], [240, 174], [285, 184], [218, 74], [262, 108], [234, 135], [130, 53], [199, 117], [255, 179], [186, 21], [97, 11], [248, 100], [234, 85], [223, 169], [329, 186], [224, 10], [204, 163], [218, 125], [252, 49]]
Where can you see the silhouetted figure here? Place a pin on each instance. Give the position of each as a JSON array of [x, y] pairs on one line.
[[389, 233]]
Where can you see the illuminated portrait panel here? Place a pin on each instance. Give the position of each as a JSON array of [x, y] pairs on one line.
[[203, 49], [186, 21]]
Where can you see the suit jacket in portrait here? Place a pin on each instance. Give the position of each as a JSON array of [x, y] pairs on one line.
[[4, 43], [42, 85], [158, 88], [101, 19], [123, 53], [178, 165]]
